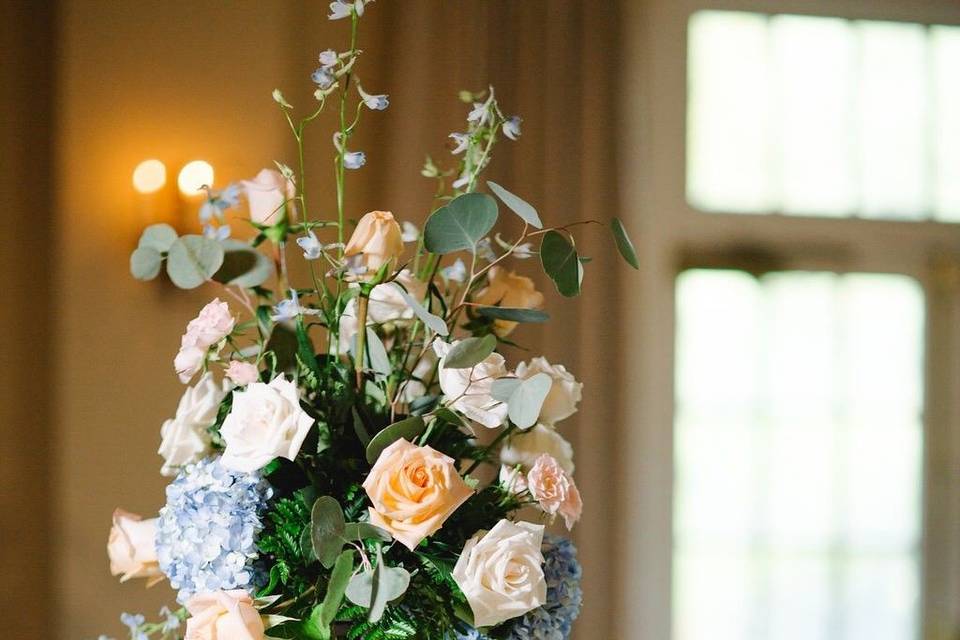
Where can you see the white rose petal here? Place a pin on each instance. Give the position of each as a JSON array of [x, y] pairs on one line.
[[468, 390], [265, 422], [565, 393], [524, 448], [501, 572], [184, 437]]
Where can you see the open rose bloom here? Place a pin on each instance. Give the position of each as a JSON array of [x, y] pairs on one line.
[[362, 436]]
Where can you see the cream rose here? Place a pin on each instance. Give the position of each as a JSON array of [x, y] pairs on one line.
[[131, 548], [554, 490], [223, 615], [265, 422], [565, 392], [469, 389], [378, 238], [386, 306], [507, 289], [501, 572], [266, 195], [413, 490], [524, 448], [184, 437]]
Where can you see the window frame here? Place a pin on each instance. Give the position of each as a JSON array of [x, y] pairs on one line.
[[673, 236]]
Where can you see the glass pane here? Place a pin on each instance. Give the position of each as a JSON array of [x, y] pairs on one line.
[[727, 151], [798, 449], [945, 49]]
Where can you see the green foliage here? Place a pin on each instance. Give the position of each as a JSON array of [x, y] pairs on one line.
[[327, 524], [513, 314], [145, 263], [243, 266], [407, 429], [192, 260], [279, 542], [461, 224], [560, 262], [469, 352], [516, 204], [524, 398], [624, 244]]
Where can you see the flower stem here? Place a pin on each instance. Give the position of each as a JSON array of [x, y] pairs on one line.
[[362, 301]]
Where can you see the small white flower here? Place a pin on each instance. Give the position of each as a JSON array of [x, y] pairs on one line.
[[340, 9], [462, 140], [354, 159], [523, 251], [216, 233], [462, 181], [511, 128], [323, 77], [410, 232], [457, 272], [279, 99], [328, 58], [485, 250], [377, 102], [312, 249], [290, 308], [479, 113]]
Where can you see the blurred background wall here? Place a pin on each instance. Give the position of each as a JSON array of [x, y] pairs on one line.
[[94, 87]]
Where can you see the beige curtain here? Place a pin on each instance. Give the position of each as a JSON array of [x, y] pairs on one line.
[[184, 79]]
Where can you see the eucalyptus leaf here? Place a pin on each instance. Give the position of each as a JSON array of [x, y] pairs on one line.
[[513, 314], [159, 237], [525, 402], [243, 265], [461, 224], [469, 352], [376, 355], [327, 526], [560, 262], [374, 589], [503, 388], [517, 204], [324, 613], [366, 531], [145, 263], [624, 244], [436, 323], [408, 429], [192, 260], [306, 545]]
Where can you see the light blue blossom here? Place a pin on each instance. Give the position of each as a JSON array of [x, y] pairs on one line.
[[554, 620], [511, 127], [457, 272], [206, 533], [462, 140], [218, 202], [133, 622], [312, 248], [104, 637], [479, 113], [342, 9], [289, 308], [328, 58], [216, 233], [375, 102], [171, 621], [323, 77], [354, 159], [462, 181]]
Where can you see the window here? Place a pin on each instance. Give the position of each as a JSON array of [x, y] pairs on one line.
[[798, 437], [823, 116]]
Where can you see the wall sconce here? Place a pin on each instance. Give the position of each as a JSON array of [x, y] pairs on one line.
[[158, 200]]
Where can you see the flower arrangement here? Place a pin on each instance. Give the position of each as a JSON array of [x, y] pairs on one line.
[[330, 454]]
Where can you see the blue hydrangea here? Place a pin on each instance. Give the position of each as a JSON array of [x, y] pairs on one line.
[[206, 535], [554, 620]]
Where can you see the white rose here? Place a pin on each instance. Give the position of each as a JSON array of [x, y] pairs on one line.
[[415, 386], [469, 389], [524, 448], [565, 392], [386, 305], [501, 572], [269, 195], [184, 437], [265, 422]]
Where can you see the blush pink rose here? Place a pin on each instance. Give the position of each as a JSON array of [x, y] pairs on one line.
[[413, 490], [223, 615], [554, 490], [213, 324], [269, 195], [242, 373]]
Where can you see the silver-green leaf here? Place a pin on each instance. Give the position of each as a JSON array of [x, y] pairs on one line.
[[461, 224], [624, 244], [192, 260], [435, 323], [159, 237], [408, 429], [513, 314], [145, 263], [527, 398], [517, 204], [327, 526], [374, 589], [560, 262], [469, 352]]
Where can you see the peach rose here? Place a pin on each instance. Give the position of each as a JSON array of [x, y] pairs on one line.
[[131, 548], [268, 195], [413, 490], [378, 238], [507, 289], [223, 615]]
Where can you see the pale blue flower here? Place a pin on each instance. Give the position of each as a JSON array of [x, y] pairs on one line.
[[171, 621], [479, 113], [206, 533], [462, 140], [289, 309], [133, 622], [457, 272], [523, 251], [374, 102], [218, 202], [410, 232], [104, 637], [328, 58], [340, 9], [323, 77], [511, 127], [216, 233], [462, 181], [312, 248], [354, 159]]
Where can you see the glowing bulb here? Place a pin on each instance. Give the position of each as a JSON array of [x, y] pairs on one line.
[[194, 176], [149, 176]]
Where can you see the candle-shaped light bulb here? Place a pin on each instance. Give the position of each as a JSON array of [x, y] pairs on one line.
[[194, 176], [149, 176]]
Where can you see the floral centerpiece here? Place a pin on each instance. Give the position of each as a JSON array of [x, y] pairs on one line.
[[351, 454]]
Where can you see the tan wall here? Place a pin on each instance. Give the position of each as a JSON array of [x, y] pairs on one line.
[[181, 79]]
